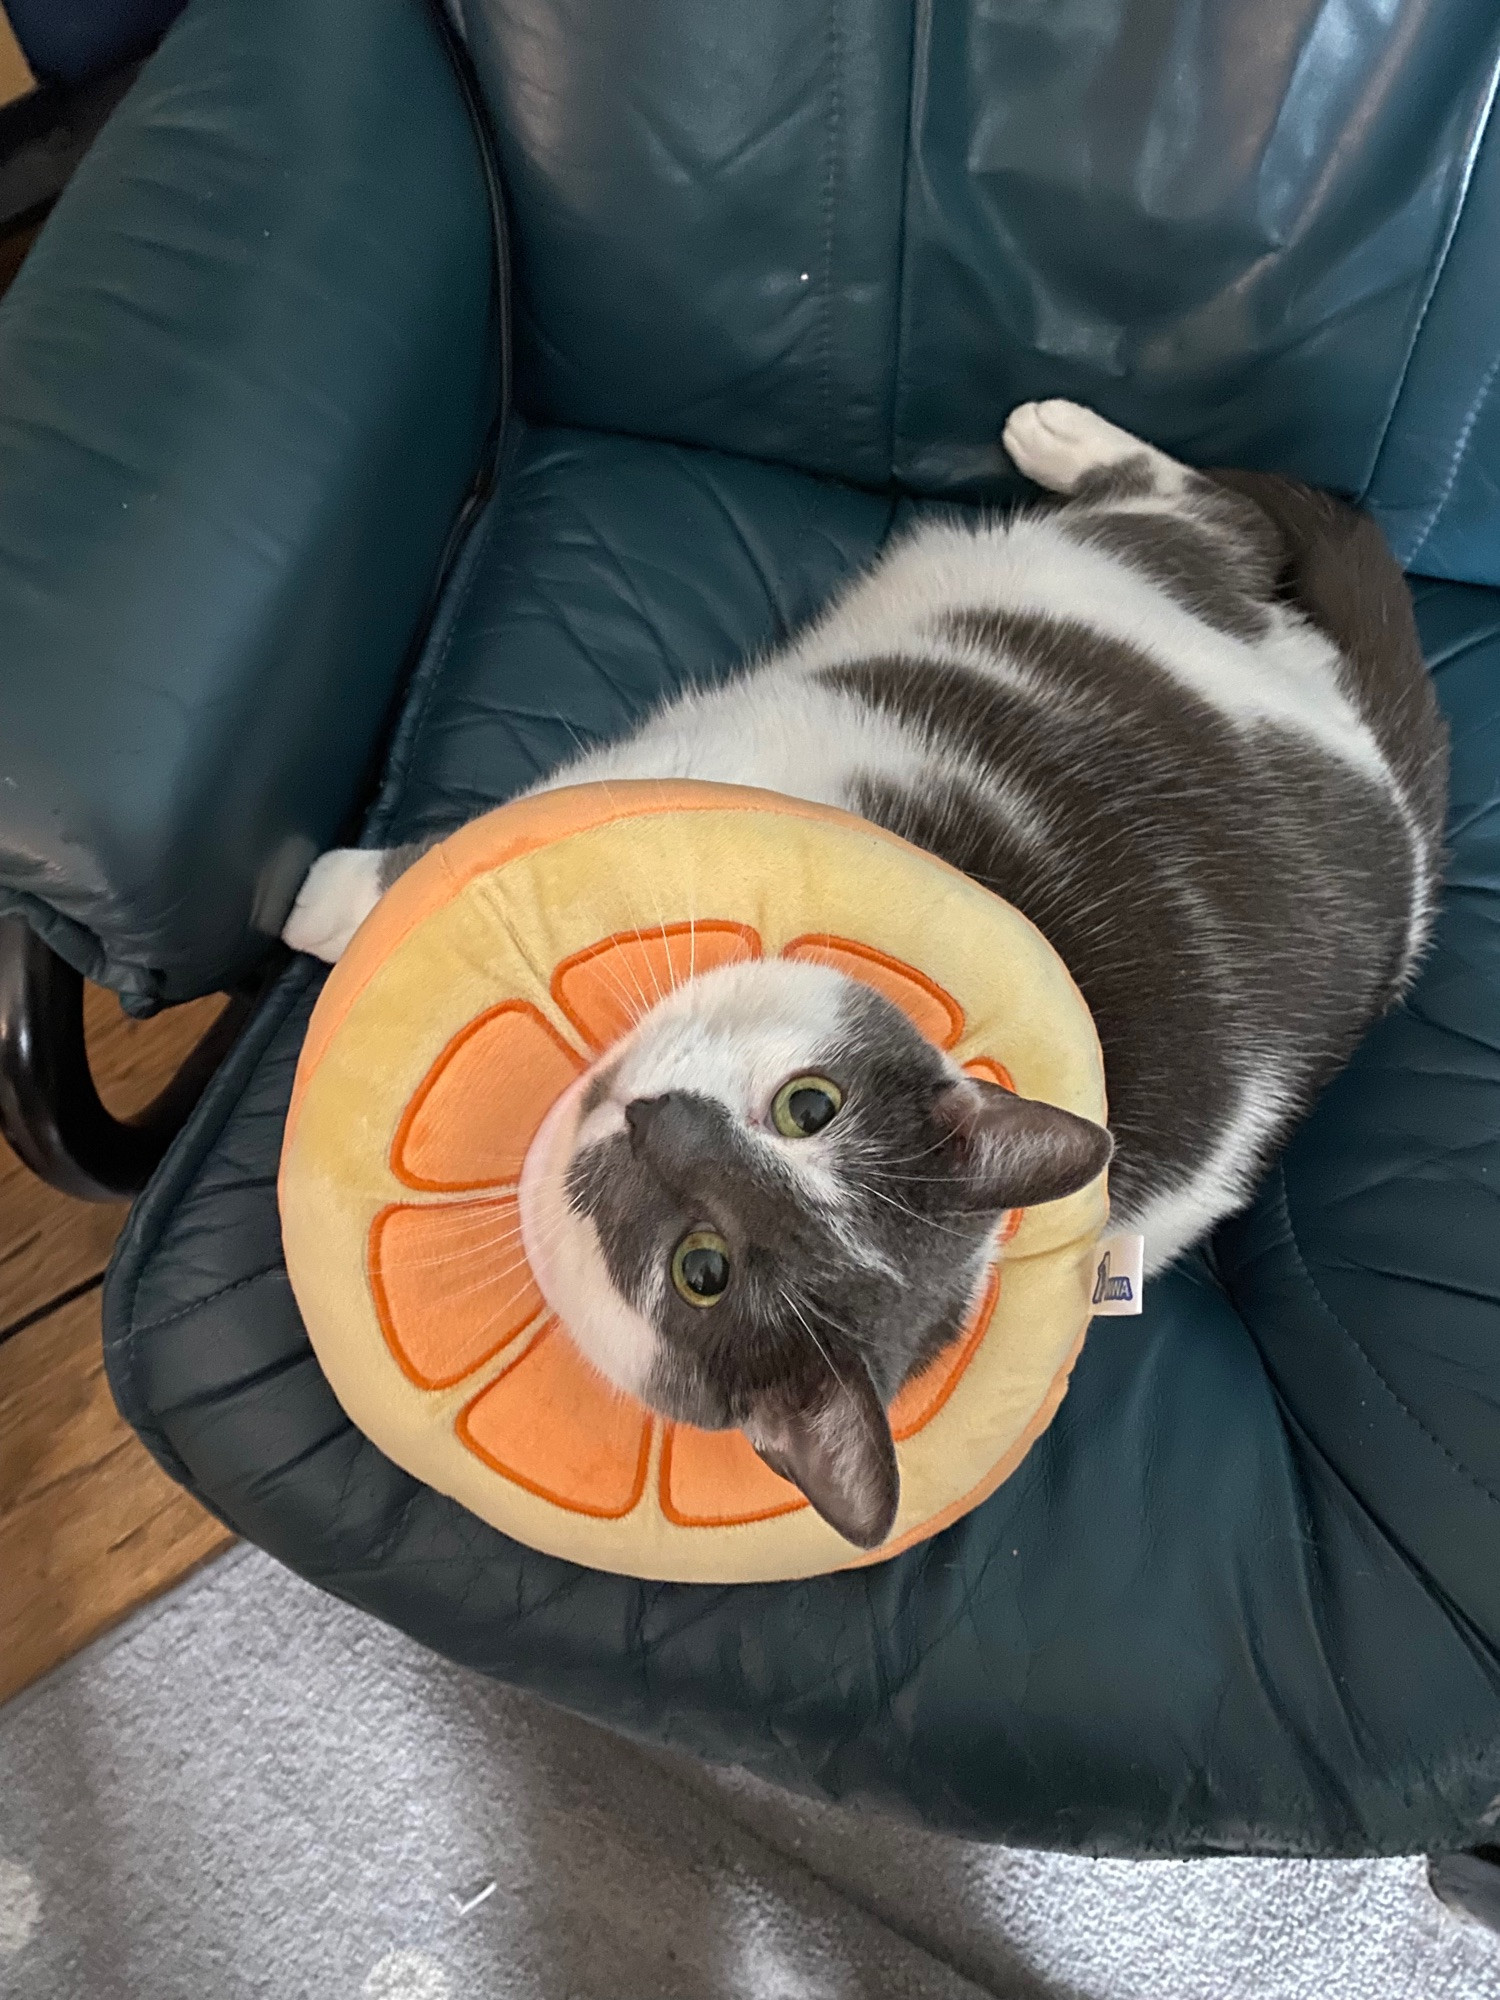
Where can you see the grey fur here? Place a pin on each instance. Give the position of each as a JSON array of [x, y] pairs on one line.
[[1184, 557], [395, 861]]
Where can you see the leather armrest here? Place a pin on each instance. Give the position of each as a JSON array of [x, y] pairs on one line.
[[245, 380]]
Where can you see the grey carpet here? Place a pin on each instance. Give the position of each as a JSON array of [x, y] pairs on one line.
[[251, 1790]]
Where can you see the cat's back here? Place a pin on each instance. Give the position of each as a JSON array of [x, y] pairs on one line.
[[1037, 600], [1176, 774]]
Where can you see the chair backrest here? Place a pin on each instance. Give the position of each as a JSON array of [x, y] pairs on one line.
[[849, 234]]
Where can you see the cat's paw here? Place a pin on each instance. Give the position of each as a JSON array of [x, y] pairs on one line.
[[1058, 444], [341, 889]]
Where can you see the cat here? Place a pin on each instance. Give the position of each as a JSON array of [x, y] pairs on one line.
[[1180, 720]]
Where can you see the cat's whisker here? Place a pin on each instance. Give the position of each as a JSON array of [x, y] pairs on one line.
[[812, 1334], [479, 1231], [904, 1208], [499, 1244], [486, 1283], [633, 1004], [513, 1297], [490, 1247]]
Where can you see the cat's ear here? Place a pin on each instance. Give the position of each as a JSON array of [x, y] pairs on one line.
[[1016, 1151], [834, 1442]]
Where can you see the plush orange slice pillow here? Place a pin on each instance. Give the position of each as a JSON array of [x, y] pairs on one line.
[[482, 984]]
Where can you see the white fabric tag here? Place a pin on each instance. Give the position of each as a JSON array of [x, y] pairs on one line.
[[1117, 1274]]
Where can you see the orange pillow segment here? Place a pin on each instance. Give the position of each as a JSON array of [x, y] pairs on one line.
[[990, 1071], [922, 1398], [451, 1285], [716, 1479], [550, 1423], [478, 1108], [933, 1012], [605, 989]]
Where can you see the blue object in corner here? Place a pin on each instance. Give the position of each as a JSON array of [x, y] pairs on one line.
[[73, 41]]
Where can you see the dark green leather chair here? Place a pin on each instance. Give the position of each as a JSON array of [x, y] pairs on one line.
[[272, 567]]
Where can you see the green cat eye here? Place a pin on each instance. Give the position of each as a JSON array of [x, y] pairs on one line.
[[700, 1267], [804, 1105]]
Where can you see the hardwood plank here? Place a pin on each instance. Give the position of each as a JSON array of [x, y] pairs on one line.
[[15, 72], [50, 1244], [89, 1526]]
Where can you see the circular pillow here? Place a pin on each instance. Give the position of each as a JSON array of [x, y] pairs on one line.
[[487, 978]]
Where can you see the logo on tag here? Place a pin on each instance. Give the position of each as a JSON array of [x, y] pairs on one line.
[[1117, 1275], [1110, 1290]]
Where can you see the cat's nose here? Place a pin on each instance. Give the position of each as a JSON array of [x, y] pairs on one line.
[[678, 1134], [641, 1113]]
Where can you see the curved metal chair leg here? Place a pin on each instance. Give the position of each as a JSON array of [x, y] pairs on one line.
[[50, 1110]]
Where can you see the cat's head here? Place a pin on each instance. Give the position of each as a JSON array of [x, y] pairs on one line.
[[772, 1204]]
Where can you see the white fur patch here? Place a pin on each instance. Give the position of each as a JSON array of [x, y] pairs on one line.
[[734, 1034], [341, 889], [776, 729], [1224, 1182], [567, 1261], [1289, 678], [1058, 444]]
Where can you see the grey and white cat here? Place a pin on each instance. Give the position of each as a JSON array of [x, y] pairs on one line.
[[1180, 720]]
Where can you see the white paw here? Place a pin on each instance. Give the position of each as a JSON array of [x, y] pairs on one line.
[[1059, 443], [341, 889]]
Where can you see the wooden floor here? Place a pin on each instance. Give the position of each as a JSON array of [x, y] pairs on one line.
[[15, 76], [89, 1528], [16, 81]]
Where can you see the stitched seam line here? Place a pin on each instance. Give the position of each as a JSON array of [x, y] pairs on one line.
[[898, 357], [1410, 1415], [208, 1299], [826, 248], [1460, 452], [1445, 248], [431, 671]]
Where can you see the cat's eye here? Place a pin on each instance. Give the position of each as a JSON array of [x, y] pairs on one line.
[[804, 1105], [700, 1267]]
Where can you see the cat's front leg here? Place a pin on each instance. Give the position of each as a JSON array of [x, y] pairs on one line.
[[1065, 448], [341, 889]]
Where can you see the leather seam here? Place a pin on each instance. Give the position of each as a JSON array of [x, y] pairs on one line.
[[1412, 1418], [1441, 267], [431, 672], [1460, 453], [827, 248], [898, 358], [139, 1329]]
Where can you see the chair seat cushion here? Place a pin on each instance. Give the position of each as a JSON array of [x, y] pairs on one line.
[[1245, 1592]]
